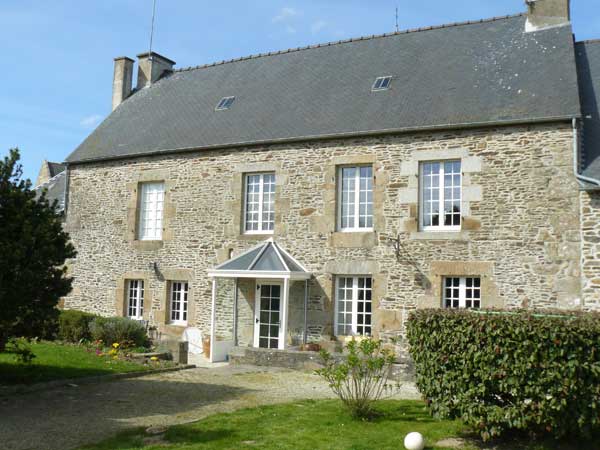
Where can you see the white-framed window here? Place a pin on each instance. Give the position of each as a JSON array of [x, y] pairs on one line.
[[381, 83], [440, 208], [178, 302], [353, 305], [135, 299], [259, 203], [355, 198], [462, 292], [152, 197]]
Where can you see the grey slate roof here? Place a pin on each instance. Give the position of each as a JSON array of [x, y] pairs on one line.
[[55, 189], [55, 168], [451, 76], [588, 67], [267, 256]]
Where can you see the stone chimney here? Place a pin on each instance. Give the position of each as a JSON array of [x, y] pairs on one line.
[[151, 67], [122, 80], [542, 14]]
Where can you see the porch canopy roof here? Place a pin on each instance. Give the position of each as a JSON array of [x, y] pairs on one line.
[[266, 260]]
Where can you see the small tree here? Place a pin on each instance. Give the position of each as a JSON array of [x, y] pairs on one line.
[[361, 377], [33, 249]]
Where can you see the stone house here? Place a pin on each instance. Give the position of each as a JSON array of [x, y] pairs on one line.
[[323, 192]]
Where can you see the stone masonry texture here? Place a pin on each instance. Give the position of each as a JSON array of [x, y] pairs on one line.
[[521, 226]]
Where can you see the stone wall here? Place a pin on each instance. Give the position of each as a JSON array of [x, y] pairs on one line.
[[590, 250], [520, 233]]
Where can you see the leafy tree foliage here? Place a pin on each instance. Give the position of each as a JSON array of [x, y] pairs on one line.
[[33, 251]]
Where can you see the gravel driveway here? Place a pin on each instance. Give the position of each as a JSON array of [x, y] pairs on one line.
[[68, 417]]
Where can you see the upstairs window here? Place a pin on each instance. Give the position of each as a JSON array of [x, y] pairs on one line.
[[353, 306], [440, 196], [225, 103], [151, 211], [462, 292], [259, 203], [179, 302], [381, 83], [135, 299], [355, 194]]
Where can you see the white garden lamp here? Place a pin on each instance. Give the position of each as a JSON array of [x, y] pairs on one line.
[[414, 441]]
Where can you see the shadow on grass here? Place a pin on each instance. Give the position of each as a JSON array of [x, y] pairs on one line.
[[11, 374], [102, 409], [523, 441]]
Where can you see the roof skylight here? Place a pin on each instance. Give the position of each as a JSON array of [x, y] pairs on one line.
[[382, 83], [225, 103]]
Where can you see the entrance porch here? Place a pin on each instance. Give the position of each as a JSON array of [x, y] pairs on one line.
[[255, 297]]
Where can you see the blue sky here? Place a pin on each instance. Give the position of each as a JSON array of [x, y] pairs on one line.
[[57, 56]]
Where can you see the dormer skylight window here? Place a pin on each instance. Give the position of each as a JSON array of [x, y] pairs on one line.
[[382, 83], [225, 103]]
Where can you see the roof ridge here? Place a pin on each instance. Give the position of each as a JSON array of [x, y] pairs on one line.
[[346, 41], [588, 41]]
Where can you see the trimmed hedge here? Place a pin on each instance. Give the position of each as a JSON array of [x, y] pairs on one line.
[[119, 329], [516, 370], [73, 325]]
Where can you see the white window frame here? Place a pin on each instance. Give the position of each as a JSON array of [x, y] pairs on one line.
[[138, 297], [463, 289], [380, 80], [184, 292], [148, 208], [225, 103], [441, 198], [354, 302], [261, 224], [340, 199]]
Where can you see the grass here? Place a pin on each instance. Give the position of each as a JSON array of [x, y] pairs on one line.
[[55, 361], [310, 424]]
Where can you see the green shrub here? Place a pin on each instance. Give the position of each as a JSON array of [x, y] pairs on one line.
[[73, 325], [119, 329], [509, 371], [361, 377]]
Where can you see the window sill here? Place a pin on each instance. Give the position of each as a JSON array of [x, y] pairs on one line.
[[440, 235], [147, 245], [256, 236], [353, 239]]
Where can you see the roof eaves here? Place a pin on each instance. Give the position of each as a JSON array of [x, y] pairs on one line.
[[442, 127]]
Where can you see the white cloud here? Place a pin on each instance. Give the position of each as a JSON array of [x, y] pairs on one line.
[[285, 14], [91, 121], [318, 26]]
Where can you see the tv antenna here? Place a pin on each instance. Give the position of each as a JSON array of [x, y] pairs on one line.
[[397, 27], [152, 27]]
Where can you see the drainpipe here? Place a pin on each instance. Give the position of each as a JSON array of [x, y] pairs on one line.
[[576, 157]]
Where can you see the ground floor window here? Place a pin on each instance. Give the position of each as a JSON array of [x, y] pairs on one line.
[[353, 305], [135, 299], [179, 302], [462, 292]]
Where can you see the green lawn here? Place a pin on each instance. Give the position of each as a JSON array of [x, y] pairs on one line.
[[308, 424], [58, 361]]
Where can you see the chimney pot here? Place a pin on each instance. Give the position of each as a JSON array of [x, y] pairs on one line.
[[542, 14], [152, 67], [122, 79]]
